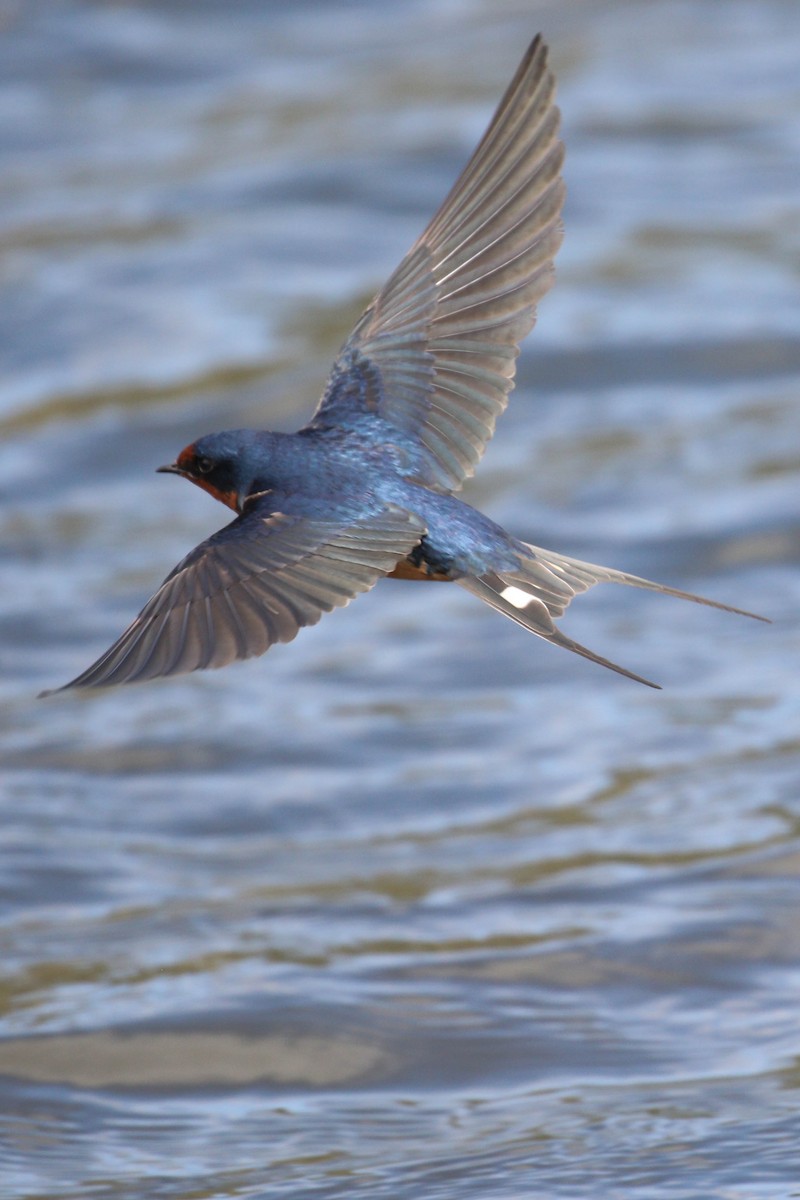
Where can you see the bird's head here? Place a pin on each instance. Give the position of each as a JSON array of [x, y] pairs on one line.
[[224, 464]]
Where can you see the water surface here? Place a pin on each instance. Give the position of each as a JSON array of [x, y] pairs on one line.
[[416, 906]]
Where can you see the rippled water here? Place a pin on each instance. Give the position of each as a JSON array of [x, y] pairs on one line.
[[416, 906]]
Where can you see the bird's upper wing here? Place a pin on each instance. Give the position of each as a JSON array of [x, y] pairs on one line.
[[435, 353], [254, 583]]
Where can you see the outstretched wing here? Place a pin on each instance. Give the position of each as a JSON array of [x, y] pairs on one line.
[[254, 583], [435, 353]]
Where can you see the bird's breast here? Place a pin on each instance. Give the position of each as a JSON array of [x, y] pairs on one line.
[[408, 569]]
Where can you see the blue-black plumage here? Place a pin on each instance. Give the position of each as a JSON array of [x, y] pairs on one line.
[[366, 489]]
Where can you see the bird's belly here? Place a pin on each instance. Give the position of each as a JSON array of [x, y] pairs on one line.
[[408, 568]]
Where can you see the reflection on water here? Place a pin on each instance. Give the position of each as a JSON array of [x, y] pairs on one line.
[[416, 906]]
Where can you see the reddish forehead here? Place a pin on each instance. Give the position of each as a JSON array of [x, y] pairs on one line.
[[186, 457]]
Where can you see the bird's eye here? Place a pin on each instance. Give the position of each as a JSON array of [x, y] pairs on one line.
[[204, 465]]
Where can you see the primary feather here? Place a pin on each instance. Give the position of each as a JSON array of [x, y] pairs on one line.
[[439, 342]]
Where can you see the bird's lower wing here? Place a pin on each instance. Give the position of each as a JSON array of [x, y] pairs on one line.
[[255, 582], [545, 582]]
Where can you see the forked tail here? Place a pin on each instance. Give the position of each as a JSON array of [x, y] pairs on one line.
[[541, 587]]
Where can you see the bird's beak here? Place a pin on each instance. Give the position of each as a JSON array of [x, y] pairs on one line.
[[170, 469]]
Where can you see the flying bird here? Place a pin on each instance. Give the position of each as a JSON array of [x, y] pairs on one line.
[[366, 488]]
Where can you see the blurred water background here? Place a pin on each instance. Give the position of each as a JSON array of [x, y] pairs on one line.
[[416, 906]]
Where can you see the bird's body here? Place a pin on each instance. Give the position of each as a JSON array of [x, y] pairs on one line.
[[365, 490], [345, 473]]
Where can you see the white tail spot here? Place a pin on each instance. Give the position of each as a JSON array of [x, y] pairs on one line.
[[517, 597]]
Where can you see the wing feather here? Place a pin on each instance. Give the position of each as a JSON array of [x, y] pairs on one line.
[[256, 582], [434, 355]]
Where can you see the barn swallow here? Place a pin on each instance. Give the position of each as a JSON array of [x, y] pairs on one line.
[[366, 488]]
